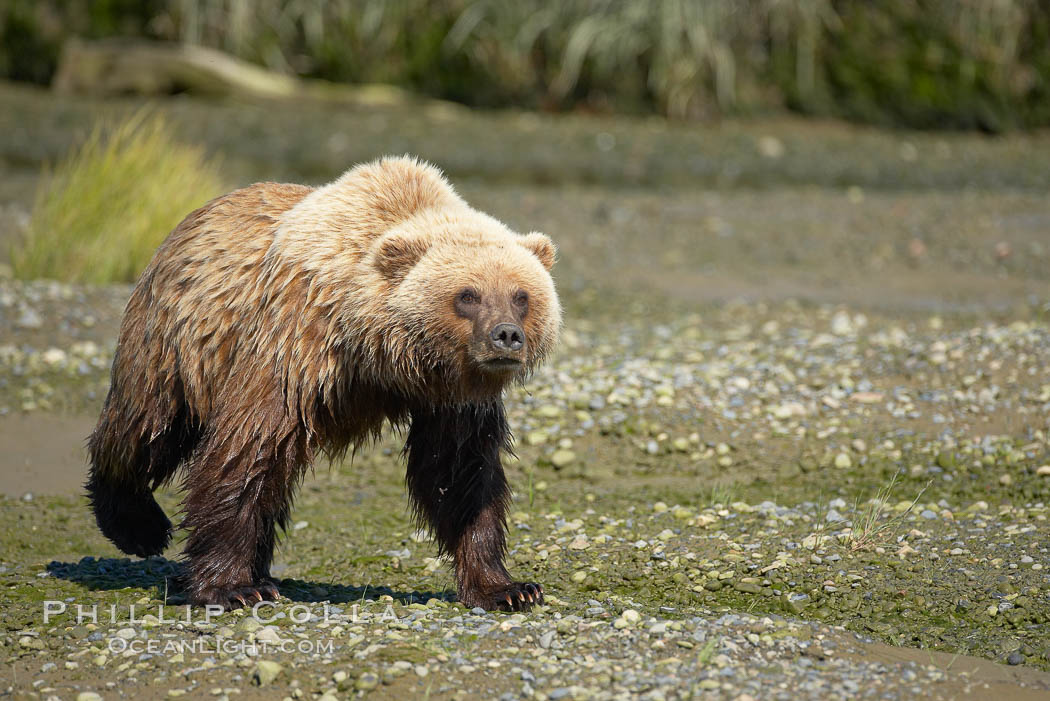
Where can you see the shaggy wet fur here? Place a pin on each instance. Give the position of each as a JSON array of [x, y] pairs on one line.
[[281, 322]]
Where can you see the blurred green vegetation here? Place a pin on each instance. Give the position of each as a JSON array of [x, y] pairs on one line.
[[108, 205], [981, 64]]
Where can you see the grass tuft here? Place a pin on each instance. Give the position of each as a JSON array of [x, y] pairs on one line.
[[875, 528], [101, 214]]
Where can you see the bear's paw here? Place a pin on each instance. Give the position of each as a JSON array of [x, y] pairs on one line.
[[516, 596], [231, 598]]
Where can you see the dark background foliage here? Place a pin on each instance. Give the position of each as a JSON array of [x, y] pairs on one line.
[[973, 64]]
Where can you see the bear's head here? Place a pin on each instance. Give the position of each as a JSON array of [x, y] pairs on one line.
[[475, 300]]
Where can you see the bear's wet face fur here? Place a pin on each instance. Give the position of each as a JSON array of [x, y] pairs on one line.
[[279, 322], [497, 341]]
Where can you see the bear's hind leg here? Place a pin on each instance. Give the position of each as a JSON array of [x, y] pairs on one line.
[[236, 499], [133, 451], [459, 489]]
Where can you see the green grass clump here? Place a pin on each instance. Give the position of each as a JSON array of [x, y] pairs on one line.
[[102, 213]]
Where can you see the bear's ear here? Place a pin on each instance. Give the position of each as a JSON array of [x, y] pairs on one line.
[[398, 254], [542, 247]]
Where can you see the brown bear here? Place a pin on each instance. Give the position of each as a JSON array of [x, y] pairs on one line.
[[281, 321]]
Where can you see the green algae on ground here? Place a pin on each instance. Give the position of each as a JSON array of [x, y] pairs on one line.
[[709, 464]]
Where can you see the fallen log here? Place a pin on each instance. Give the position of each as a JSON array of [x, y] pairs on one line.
[[135, 67], [123, 66]]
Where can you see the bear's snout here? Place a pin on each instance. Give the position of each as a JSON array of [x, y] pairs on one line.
[[507, 337], [502, 349]]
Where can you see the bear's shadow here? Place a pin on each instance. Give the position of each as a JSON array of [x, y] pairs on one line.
[[161, 575]]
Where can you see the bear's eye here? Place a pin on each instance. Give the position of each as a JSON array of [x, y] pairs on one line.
[[468, 297], [521, 299]]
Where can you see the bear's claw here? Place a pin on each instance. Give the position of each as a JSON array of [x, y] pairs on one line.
[[238, 597], [517, 596]]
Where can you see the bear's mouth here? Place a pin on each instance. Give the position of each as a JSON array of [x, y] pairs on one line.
[[501, 364]]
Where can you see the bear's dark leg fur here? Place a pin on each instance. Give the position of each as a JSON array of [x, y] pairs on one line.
[[131, 455], [239, 492], [128, 515], [458, 488]]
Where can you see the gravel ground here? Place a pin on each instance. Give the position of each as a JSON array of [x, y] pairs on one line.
[[796, 443], [607, 651], [720, 514]]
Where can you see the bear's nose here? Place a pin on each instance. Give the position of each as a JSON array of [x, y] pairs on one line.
[[507, 337]]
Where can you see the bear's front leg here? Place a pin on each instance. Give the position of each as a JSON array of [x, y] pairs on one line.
[[459, 490], [237, 498]]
